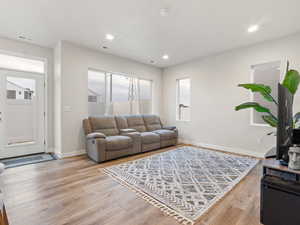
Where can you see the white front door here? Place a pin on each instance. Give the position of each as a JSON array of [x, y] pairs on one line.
[[22, 117]]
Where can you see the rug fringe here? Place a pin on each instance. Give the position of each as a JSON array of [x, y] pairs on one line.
[[166, 210]]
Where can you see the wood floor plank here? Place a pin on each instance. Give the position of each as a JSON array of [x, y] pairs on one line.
[[74, 191]]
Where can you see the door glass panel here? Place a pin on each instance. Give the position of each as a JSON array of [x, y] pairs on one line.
[[21, 110]]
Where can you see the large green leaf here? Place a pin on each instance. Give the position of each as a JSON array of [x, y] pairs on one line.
[[264, 90], [270, 120], [291, 81], [253, 105]]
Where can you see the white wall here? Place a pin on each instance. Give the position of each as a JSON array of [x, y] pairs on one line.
[[30, 50], [215, 94], [75, 62]]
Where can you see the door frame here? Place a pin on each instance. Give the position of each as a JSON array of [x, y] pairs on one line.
[[45, 74]]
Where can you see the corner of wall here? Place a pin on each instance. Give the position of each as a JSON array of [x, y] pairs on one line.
[[57, 98]]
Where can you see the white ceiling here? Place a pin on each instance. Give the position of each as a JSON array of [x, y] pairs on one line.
[[193, 28]]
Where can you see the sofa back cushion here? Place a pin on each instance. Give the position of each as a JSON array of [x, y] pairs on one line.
[[121, 122], [136, 122], [87, 126], [152, 122], [104, 124]]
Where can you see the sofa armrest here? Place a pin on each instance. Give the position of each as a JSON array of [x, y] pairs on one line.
[[96, 148], [126, 131], [95, 135], [169, 128]]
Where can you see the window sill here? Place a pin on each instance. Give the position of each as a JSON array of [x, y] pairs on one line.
[[259, 125]]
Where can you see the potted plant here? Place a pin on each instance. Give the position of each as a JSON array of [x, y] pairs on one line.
[[291, 82]]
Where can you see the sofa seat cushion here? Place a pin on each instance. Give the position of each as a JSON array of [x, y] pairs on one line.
[[166, 134], [118, 142], [150, 137]]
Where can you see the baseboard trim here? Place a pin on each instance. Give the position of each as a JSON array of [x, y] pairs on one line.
[[49, 150], [224, 148], [238, 151], [62, 155]]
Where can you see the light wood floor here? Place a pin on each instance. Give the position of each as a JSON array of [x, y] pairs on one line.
[[74, 191]]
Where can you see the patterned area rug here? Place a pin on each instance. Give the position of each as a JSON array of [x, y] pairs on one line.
[[184, 182]]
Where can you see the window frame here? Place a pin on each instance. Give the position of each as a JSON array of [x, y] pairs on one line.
[[282, 67], [178, 99], [105, 81], [108, 81], [151, 88]]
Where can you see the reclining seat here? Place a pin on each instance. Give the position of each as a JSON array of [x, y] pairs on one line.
[[104, 141], [149, 140], [168, 135]]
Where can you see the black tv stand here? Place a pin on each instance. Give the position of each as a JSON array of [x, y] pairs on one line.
[[283, 163], [280, 194], [272, 153]]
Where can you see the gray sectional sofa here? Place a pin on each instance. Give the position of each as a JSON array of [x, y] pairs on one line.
[[111, 137]]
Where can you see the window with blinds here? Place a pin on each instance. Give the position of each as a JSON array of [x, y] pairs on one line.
[[116, 94]]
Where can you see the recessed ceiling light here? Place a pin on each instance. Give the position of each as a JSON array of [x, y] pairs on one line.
[[253, 28], [24, 38], [165, 57], [109, 37], [164, 12]]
